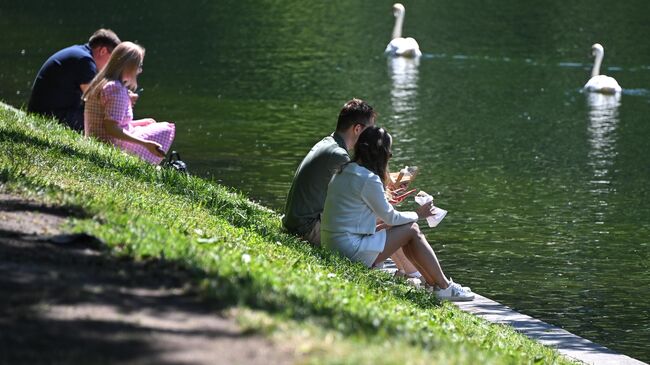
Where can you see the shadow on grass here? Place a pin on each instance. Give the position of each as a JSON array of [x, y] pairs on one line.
[[20, 205], [79, 305], [66, 300]]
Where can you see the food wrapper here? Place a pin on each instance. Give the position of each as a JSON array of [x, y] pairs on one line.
[[438, 213]]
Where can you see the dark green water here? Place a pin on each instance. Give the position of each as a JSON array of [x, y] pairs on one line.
[[548, 189]]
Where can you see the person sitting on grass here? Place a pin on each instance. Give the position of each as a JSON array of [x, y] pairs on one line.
[[356, 198], [108, 115], [63, 78], [306, 197]]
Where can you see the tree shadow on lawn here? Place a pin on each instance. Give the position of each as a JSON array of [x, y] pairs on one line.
[[67, 301]]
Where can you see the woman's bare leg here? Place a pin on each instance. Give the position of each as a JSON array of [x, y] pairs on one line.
[[403, 262], [417, 249]]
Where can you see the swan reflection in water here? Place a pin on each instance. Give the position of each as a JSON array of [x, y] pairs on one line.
[[404, 77], [603, 120]]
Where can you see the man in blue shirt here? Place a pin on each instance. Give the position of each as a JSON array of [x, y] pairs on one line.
[[64, 77]]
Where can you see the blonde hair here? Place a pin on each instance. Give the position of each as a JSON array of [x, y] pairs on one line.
[[126, 58]]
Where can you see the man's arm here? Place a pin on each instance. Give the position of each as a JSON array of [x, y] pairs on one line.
[[86, 71], [338, 159]]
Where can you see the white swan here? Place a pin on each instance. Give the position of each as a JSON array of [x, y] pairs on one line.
[[398, 46], [600, 83]]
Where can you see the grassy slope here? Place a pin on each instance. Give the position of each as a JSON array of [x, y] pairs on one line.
[[334, 311]]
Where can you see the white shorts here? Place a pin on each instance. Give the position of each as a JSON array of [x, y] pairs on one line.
[[357, 247]]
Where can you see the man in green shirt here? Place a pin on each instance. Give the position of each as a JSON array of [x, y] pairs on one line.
[[306, 197]]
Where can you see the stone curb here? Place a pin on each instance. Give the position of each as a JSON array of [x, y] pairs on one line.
[[566, 343]]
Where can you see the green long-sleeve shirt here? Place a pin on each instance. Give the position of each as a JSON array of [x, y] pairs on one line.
[[306, 197]]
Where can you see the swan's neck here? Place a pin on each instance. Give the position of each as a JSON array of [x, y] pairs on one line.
[[597, 62], [397, 30]]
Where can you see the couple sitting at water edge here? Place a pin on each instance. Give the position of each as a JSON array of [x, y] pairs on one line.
[[341, 203], [105, 70]]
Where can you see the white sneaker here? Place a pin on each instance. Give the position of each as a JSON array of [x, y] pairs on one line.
[[433, 288], [415, 274], [467, 288], [414, 282], [414, 279], [455, 293]]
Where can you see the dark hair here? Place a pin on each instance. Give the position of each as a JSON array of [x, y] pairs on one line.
[[355, 111], [104, 38], [373, 151]]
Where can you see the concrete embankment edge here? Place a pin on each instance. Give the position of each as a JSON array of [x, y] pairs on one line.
[[566, 343]]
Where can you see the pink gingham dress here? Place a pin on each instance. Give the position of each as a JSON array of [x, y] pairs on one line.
[[114, 103]]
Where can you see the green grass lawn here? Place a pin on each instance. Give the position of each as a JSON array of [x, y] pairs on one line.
[[331, 310]]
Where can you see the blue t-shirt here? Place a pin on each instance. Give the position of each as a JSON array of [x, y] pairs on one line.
[[56, 90]]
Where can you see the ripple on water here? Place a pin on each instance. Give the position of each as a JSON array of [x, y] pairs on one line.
[[636, 92], [571, 64]]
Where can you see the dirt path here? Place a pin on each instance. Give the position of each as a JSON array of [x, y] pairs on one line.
[[65, 301]]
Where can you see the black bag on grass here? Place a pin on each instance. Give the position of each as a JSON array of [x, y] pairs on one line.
[[174, 162]]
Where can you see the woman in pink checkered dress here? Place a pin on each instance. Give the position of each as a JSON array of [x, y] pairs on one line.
[[108, 113]]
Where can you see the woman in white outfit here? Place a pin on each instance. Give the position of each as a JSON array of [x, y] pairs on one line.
[[356, 198]]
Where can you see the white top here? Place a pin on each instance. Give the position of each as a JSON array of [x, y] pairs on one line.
[[355, 199]]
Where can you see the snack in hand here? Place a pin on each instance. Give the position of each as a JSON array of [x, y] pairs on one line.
[[404, 177], [422, 197], [438, 214]]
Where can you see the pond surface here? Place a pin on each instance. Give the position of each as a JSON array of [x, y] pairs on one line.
[[548, 189]]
